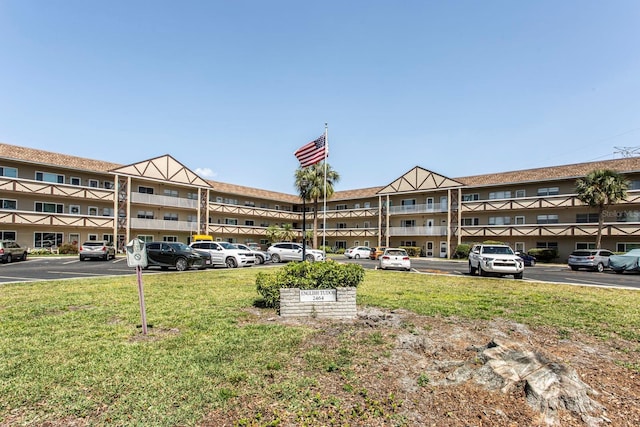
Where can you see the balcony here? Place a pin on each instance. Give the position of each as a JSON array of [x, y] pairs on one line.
[[437, 230], [162, 225], [551, 230], [167, 201], [15, 217], [17, 185], [419, 209]]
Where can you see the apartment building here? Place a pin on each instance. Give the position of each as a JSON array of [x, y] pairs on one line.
[[51, 198]]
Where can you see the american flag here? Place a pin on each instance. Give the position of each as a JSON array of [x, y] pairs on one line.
[[312, 152]]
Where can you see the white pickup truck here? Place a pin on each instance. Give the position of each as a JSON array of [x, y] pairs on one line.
[[495, 259]]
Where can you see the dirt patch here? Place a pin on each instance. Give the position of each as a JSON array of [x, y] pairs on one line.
[[415, 370]]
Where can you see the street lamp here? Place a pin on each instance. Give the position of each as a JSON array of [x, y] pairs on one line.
[[303, 188]]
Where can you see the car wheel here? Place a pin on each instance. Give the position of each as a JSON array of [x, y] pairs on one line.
[[309, 258], [357, 256], [472, 271], [259, 259], [533, 263], [9, 259], [275, 258], [600, 267], [619, 271], [574, 268], [231, 262], [181, 264], [81, 258], [517, 276], [23, 257], [481, 272]]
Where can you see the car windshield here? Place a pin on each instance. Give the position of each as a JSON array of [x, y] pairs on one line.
[[93, 244], [582, 253], [396, 252], [501, 250], [227, 245]]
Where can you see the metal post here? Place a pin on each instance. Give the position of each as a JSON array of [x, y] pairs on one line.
[[304, 219]]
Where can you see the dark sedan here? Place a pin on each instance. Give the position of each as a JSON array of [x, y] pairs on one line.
[[173, 255], [529, 260]]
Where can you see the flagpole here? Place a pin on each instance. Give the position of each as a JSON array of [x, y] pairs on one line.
[[324, 217]]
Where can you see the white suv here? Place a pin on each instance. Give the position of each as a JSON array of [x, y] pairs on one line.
[[498, 259], [223, 253], [288, 251]]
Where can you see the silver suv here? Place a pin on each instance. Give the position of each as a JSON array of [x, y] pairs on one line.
[[261, 256], [289, 251], [592, 259], [10, 250], [97, 249], [224, 253], [496, 259]]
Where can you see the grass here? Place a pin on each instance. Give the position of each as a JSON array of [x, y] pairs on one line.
[[74, 349]]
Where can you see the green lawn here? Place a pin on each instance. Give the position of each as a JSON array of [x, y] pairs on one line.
[[74, 349]]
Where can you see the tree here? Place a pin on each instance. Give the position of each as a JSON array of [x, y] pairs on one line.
[[273, 233], [310, 185], [286, 232], [600, 189]]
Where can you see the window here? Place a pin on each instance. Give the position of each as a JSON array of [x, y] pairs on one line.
[[356, 206], [249, 203], [145, 214], [408, 202], [50, 177], [521, 193], [93, 211], [192, 196], [341, 207], [626, 247], [548, 191], [74, 238], [408, 223], [249, 222], [547, 219], [585, 245], [231, 221], [145, 238], [367, 205], [8, 172], [49, 207], [92, 237], [470, 221], [74, 209], [586, 217], [74, 180], [170, 216], [342, 225], [520, 220], [8, 204], [547, 245], [470, 197], [634, 184], [367, 224], [8, 235], [499, 220], [107, 237], [94, 183], [108, 185], [145, 190], [47, 239], [519, 247], [107, 211], [341, 244], [170, 193], [408, 243], [231, 201], [500, 195], [218, 199], [169, 238], [192, 218]]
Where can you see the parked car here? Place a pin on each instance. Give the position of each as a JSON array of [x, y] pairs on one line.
[[529, 260], [629, 261], [289, 251], [10, 250], [226, 254], [254, 246], [261, 256], [394, 258], [357, 252], [591, 259], [374, 253], [97, 249], [207, 259], [173, 254], [495, 259]]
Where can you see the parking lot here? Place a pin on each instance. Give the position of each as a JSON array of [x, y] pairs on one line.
[[55, 268]]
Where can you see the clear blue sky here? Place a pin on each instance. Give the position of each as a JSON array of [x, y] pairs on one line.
[[233, 88]]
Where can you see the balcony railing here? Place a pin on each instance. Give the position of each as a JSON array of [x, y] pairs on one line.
[[155, 199], [419, 209], [160, 224], [437, 230]]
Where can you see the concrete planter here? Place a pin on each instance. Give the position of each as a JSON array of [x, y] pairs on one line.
[[339, 303]]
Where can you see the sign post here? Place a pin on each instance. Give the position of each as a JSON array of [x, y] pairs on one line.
[[137, 257]]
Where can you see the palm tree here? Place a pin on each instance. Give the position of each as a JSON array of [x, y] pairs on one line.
[[600, 189], [286, 232], [273, 233], [310, 185]]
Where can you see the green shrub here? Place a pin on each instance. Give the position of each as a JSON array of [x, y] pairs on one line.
[[462, 251], [326, 249], [543, 254], [340, 251], [68, 248], [411, 250], [40, 251], [307, 275]]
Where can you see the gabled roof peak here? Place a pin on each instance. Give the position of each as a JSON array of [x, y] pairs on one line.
[[419, 179], [162, 168]]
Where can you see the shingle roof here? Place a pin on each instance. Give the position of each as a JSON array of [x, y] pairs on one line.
[[32, 155], [576, 170]]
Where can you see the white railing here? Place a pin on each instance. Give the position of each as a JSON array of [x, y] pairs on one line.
[[425, 208], [160, 224], [437, 230], [155, 199]]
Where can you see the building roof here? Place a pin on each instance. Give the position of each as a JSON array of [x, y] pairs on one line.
[[32, 155], [576, 170]]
